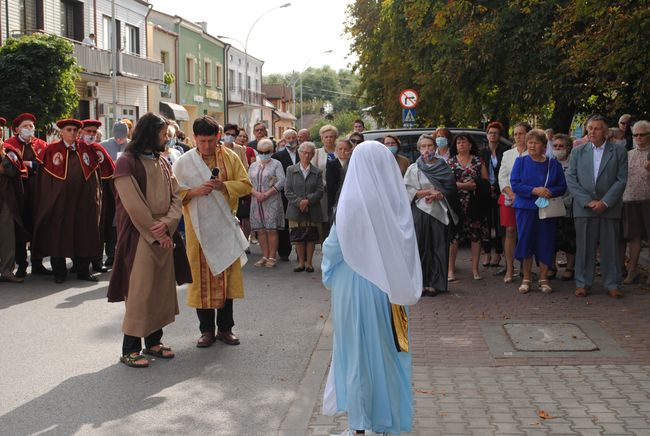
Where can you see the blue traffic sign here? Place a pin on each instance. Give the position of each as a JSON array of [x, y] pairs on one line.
[[408, 116]]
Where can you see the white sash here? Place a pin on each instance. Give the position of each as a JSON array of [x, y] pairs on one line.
[[217, 230]]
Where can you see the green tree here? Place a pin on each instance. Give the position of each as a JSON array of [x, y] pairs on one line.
[[37, 75], [343, 121]]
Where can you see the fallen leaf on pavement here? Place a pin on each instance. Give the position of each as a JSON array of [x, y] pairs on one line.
[[542, 414], [534, 423], [424, 391]]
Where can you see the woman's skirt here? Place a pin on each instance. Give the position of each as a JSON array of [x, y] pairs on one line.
[[566, 235], [507, 215], [244, 208], [536, 236], [636, 220], [433, 244]]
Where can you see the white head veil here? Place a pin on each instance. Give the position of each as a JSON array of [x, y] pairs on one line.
[[375, 225]]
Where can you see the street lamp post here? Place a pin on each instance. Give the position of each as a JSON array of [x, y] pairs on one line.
[[300, 77]]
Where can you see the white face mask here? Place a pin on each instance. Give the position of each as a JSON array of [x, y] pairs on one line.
[[560, 154], [89, 139], [26, 134]]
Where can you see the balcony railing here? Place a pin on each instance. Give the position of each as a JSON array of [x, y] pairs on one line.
[[97, 61], [130, 65]]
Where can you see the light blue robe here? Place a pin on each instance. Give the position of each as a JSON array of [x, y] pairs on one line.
[[372, 379]]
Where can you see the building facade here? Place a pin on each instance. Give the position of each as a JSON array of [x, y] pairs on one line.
[[245, 97], [281, 97], [75, 20]]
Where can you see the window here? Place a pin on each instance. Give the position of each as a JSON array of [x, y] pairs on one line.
[[132, 39], [164, 58], [107, 34], [231, 80], [189, 70], [218, 75], [207, 73], [240, 80], [230, 58], [248, 82], [257, 85], [72, 20]]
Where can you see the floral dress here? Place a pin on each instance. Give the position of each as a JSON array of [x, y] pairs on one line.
[[468, 228], [268, 215]]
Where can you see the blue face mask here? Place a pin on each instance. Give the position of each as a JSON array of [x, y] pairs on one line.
[[441, 141], [264, 157], [427, 155], [229, 139], [393, 149], [541, 202]]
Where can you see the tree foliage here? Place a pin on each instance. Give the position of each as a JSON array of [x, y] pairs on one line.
[[323, 85], [506, 59], [37, 75]]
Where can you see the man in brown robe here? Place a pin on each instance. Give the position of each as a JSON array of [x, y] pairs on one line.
[[69, 202], [28, 147], [147, 211]]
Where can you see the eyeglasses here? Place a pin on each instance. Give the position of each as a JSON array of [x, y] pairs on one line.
[[263, 152], [355, 141], [492, 133], [639, 135], [258, 130]]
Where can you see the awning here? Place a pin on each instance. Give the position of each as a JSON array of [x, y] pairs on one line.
[[173, 111]]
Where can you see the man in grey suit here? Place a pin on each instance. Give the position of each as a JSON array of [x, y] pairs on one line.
[[596, 177]]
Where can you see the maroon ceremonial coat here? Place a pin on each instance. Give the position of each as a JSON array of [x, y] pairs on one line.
[[28, 153], [11, 188], [69, 202]]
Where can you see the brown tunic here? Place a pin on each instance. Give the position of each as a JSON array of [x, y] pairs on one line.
[[66, 223], [143, 273]]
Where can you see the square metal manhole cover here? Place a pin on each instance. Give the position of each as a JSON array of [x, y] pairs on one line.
[[548, 337]]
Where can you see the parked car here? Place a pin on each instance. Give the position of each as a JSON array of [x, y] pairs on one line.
[[409, 137]]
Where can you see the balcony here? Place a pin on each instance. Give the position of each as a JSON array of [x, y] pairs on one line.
[[130, 65], [92, 60]]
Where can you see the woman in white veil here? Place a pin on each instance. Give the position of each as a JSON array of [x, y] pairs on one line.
[[372, 266]]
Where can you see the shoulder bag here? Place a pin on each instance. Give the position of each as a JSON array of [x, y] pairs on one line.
[[555, 208]]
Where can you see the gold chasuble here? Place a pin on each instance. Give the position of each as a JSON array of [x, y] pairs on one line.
[[206, 290]]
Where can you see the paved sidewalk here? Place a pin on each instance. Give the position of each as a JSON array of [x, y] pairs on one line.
[[462, 387]]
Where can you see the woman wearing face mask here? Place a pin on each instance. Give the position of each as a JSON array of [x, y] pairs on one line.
[[443, 144], [566, 230], [171, 153], [230, 132], [267, 213], [431, 185], [392, 143]]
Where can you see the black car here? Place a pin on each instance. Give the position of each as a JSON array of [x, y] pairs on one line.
[[408, 138]]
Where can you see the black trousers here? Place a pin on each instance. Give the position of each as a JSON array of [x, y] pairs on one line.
[[59, 267], [284, 245], [110, 242], [133, 344], [21, 251], [224, 320]]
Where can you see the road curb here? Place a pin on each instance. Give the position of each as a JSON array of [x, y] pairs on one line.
[[296, 421]]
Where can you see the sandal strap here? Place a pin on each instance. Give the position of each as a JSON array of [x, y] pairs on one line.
[[134, 357]]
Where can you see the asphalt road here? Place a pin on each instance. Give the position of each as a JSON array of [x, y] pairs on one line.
[[59, 370]]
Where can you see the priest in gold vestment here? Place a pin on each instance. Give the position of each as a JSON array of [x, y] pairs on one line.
[[212, 179]]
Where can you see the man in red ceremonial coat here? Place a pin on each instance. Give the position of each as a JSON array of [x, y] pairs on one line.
[[11, 192], [88, 134], [28, 147], [67, 220]]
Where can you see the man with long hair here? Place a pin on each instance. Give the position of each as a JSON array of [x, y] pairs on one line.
[[212, 179], [147, 211]]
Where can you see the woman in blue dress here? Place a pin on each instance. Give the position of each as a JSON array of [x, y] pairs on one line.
[[533, 177], [372, 266]]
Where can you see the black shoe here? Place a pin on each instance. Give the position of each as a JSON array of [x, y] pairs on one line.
[[299, 269], [99, 268], [21, 272], [41, 270], [59, 278], [109, 262], [86, 277], [309, 269]]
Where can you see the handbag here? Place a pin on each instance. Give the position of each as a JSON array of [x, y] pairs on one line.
[[555, 206]]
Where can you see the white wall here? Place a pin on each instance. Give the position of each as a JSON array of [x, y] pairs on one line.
[[128, 12]]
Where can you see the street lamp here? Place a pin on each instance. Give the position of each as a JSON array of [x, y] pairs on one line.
[[300, 77]]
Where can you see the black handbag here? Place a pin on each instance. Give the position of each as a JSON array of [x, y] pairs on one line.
[[303, 233]]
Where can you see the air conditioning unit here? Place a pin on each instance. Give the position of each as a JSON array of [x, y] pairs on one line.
[[91, 91]]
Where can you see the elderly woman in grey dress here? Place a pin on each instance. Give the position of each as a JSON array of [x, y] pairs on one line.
[[267, 214], [304, 190]]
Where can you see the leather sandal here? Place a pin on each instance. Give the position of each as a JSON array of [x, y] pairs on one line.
[[161, 352], [524, 288], [581, 292], [261, 262], [544, 287], [135, 360]]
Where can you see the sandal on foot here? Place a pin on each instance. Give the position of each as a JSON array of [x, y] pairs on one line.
[[451, 278], [270, 262], [544, 287], [507, 278], [160, 352], [135, 360], [261, 262], [524, 287]]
